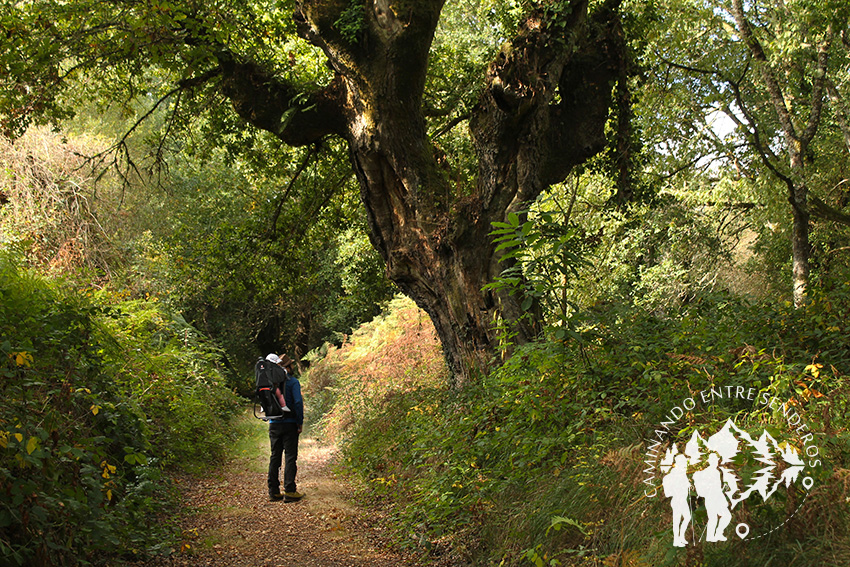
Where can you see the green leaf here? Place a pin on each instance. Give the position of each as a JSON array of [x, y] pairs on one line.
[[560, 521]]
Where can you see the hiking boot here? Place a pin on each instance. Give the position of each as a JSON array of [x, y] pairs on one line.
[[292, 496], [275, 497]]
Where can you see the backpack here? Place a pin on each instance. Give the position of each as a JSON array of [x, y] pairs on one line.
[[268, 377]]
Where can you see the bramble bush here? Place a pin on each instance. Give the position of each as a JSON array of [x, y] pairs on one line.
[[98, 401]]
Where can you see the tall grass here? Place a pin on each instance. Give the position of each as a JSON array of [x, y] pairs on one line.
[[395, 355], [53, 211]]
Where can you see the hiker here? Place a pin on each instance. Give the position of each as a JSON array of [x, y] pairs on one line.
[[283, 434]]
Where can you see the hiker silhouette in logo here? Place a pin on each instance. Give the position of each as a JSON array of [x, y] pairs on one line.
[[708, 484], [676, 486], [283, 435]]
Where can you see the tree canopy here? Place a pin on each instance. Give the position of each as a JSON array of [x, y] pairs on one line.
[[540, 108], [457, 116], [759, 90]]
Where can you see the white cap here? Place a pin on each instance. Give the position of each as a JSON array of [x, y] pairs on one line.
[[273, 358]]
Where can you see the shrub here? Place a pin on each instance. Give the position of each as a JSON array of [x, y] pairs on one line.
[[84, 433]]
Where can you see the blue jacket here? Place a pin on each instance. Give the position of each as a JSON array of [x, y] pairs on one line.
[[292, 395]]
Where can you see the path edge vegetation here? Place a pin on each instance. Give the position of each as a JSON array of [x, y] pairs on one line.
[[104, 398], [541, 463]]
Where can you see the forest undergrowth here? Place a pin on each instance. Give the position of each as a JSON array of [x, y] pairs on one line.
[[103, 396], [544, 462]]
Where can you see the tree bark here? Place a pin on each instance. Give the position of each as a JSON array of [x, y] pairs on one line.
[[542, 110]]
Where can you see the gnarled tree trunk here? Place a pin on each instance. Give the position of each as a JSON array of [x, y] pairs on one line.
[[542, 110]]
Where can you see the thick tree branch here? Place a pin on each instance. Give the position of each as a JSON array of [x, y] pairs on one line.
[[392, 38], [520, 124], [267, 102], [825, 212], [578, 123]]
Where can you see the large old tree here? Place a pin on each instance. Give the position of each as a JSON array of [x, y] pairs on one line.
[[542, 106]]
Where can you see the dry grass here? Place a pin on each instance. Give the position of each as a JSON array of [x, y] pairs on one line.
[[51, 203], [392, 355]]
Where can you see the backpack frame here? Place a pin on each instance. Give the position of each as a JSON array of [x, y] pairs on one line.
[[268, 376]]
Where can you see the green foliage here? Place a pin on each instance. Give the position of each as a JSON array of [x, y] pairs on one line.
[[260, 267], [265, 269], [94, 410], [570, 250], [176, 376], [694, 238], [709, 105], [504, 16], [543, 254], [351, 23], [541, 463], [138, 46]]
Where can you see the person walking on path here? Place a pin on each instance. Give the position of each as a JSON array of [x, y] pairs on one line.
[[283, 435]]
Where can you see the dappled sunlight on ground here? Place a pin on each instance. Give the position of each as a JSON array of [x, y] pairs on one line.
[[229, 520]]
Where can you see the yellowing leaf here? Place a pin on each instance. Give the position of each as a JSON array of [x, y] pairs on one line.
[[19, 437], [95, 409], [32, 445], [21, 358], [109, 494]]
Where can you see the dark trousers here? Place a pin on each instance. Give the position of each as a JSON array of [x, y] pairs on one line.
[[284, 442]]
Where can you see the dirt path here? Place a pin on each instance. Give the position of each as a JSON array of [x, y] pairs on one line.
[[230, 522]]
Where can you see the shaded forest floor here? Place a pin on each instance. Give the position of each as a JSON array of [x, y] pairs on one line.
[[228, 521]]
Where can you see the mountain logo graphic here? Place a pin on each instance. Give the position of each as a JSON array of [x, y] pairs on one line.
[[724, 470]]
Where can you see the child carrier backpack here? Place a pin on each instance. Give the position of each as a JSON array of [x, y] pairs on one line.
[[269, 377]]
